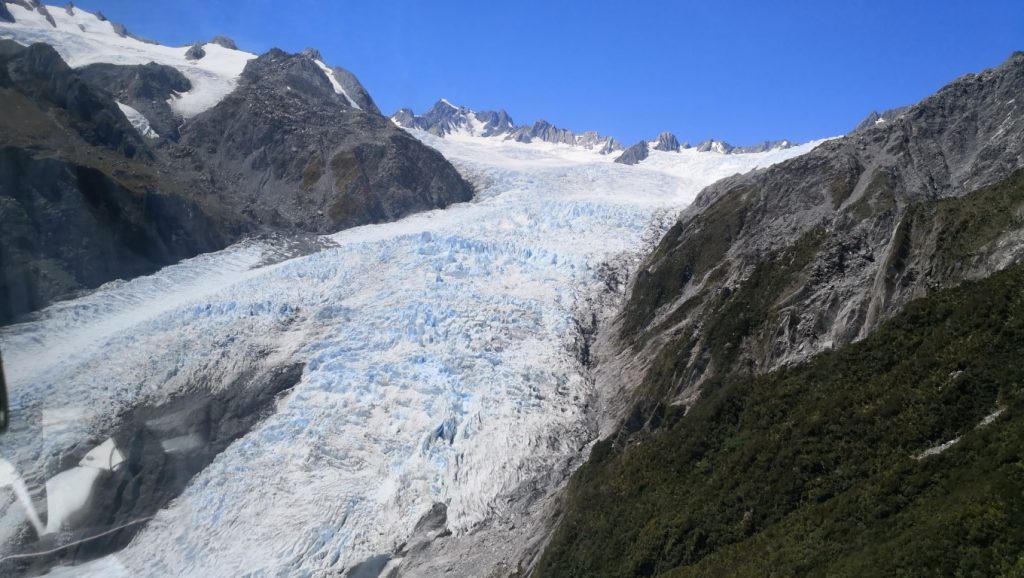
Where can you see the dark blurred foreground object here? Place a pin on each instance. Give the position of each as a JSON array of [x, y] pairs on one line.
[[3, 398]]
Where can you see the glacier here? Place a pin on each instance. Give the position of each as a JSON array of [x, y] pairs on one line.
[[442, 361]]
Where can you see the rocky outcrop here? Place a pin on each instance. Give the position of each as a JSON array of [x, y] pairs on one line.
[[762, 147], [715, 146], [495, 122], [195, 52], [876, 118], [442, 119], [634, 154], [667, 142], [354, 89], [225, 42], [146, 88], [5, 14], [544, 131], [71, 225], [41, 9]]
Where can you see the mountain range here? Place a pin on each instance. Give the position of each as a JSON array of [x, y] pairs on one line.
[[140, 156], [323, 341]]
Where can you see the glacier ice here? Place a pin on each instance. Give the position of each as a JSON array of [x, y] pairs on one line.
[[440, 361]]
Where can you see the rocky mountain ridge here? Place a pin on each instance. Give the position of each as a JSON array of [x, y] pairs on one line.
[[288, 145], [773, 268], [445, 118]]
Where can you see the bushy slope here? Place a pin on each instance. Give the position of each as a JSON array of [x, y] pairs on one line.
[[817, 470]]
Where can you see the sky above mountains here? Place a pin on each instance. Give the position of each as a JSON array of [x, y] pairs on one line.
[[740, 71]]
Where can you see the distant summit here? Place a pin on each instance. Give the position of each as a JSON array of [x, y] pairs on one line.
[[445, 118]]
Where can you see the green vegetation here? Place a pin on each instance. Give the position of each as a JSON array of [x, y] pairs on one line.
[[964, 226], [813, 470], [680, 260], [748, 313]]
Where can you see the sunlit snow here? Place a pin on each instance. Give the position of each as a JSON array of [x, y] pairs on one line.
[[82, 39]]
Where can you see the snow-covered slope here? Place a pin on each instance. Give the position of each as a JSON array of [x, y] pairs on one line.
[[441, 361], [82, 39]]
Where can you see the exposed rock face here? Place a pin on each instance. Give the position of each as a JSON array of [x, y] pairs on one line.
[[877, 118], [666, 141], [195, 52], [41, 8], [298, 156], [634, 154], [5, 14], [495, 122], [39, 74], [145, 88], [832, 243], [224, 41], [71, 226], [354, 89], [712, 145], [765, 146], [545, 131]]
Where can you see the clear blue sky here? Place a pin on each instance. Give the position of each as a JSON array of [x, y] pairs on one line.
[[740, 71]]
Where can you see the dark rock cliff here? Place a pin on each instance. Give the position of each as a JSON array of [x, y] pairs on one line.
[[85, 199]]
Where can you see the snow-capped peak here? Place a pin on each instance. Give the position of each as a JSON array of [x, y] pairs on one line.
[[445, 118]]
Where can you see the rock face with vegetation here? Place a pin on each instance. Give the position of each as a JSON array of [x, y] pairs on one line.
[[85, 199], [805, 341]]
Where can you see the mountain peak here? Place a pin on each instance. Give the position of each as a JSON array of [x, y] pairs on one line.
[[666, 141], [445, 118]]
